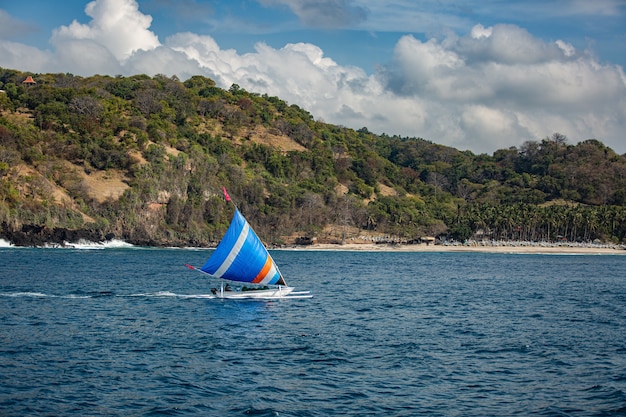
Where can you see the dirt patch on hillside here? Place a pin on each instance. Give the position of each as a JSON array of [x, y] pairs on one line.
[[99, 185], [283, 143], [138, 157], [341, 190], [20, 116], [386, 190], [30, 181], [104, 185]]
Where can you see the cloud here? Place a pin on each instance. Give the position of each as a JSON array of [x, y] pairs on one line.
[[116, 25], [493, 88], [505, 44], [85, 56], [323, 13], [26, 58], [298, 73], [506, 87], [11, 28]]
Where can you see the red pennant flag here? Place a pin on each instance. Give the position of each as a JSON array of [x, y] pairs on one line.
[[226, 196]]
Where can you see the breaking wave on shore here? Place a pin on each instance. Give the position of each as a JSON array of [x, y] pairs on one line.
[[81, 244]]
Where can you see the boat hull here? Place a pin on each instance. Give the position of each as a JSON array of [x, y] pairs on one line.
[[269, 294]]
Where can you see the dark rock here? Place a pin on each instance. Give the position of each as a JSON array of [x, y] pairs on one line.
[[35, 235]]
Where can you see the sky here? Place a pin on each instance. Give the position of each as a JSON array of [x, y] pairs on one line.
[[478, 75]]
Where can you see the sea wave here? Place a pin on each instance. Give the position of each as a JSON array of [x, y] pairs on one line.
[[81, 244], [109, 244]]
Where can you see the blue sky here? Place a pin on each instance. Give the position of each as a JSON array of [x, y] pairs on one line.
[[476, 74]]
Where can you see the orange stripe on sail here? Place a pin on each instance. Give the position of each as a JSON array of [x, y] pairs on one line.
[[264, 271]]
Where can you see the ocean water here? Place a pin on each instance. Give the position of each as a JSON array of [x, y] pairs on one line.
[[123, 332]]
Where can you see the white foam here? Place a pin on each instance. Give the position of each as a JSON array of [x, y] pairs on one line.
[[5, 244], [163, 294], [109, 244], [158, 294], [24, 294]]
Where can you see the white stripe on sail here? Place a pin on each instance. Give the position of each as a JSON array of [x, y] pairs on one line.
[[271, 273], [234, 251]]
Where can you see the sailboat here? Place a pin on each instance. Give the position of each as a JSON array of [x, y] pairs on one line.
[[241, 257]]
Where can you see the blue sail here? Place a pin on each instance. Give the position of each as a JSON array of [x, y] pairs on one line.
[[241, 256]]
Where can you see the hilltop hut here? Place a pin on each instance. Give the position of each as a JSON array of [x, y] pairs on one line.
[[29, 81]]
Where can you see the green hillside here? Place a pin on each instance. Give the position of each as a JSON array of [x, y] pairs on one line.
[[144, 158]]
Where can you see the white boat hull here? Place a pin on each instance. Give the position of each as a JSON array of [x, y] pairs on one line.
[[269, 294]]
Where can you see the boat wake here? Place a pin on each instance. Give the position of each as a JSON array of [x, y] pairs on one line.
[[100, 294], [165, 294], [32, 294]]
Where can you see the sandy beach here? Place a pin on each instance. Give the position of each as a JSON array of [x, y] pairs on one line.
[[485, 247]]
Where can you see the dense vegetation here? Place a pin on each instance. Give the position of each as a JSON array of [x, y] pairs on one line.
[[176, 144]]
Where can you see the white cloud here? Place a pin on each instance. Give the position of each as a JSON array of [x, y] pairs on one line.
[[25, 58], [85, 56], [298, 73], [163, 60], [502, 87], [117, 25], [505, 44], [13, 28], [491, 124], [479, 31], [495, 87], [567, 48]]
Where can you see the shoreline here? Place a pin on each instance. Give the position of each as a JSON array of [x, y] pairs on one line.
[[477, 247], [500, 247]]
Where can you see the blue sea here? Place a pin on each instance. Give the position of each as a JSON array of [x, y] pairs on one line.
[[126, 332]]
